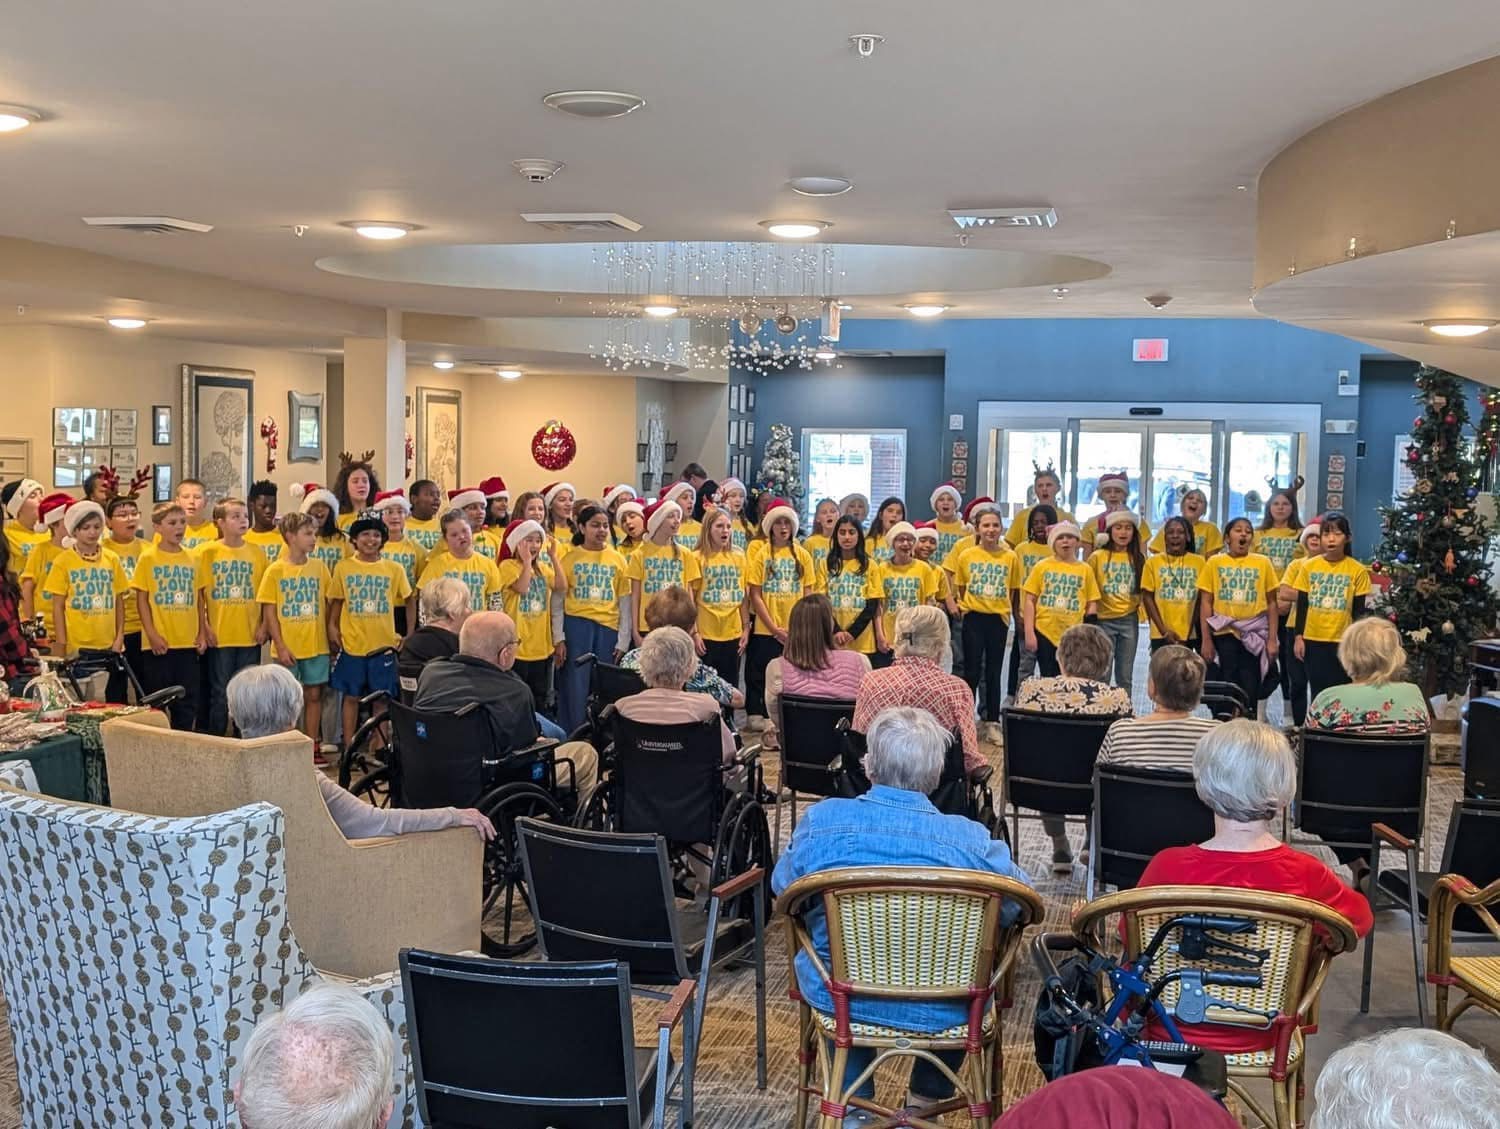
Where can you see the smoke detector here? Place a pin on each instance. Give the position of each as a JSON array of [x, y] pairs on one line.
[[1158, 301], [535, 170], [155, 225], [582, 221]]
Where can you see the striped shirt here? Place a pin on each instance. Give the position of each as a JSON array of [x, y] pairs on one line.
[[1137, 743]]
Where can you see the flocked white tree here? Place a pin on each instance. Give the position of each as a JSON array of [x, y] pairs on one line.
[[780, 466]]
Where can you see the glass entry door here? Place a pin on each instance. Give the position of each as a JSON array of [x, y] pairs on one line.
[[1162, 461]]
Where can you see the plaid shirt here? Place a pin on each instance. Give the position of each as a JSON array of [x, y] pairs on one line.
[[13, 645], [918, 682]]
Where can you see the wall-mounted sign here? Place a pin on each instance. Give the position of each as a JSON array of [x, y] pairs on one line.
[[1149, 349]]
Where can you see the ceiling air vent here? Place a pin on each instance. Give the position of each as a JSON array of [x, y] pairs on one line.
[[1031, 215], [595, 222], [156, 225]]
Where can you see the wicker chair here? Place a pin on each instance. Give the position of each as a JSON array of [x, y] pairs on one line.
[[911, 933], [1302, 938], [1476, 977]]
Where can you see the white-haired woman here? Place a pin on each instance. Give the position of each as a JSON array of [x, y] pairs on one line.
[[1373, 700], [1245, 773], [915, 678], [667, 661], [1411, 1077], [266, 700], [443, 607]]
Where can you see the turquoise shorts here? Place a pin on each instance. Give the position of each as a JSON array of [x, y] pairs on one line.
[[313, 671]]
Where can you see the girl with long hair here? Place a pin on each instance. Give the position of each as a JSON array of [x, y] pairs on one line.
[[596, 593], [723, 607], [852, 583], [659, 562], [820, 540], [891, 512], [355, 488], [1294, 670], [1277, 538], [1117, 568], [1169, 586], [1031, 550], [777, 578], [1331, 594], [986, 575], [1239, 599]]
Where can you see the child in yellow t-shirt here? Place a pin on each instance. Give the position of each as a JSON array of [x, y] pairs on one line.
[[1239, 590], [732, 496], [33, 577], [686, 497], [292, 594], [951, 528], [596, 587], [660, 562], [264, 533], [229, 575], [401, 548], [926, 551], [723, 606], [986, 576], [20, 500], [1169, 586], [851, 582], [1117, 567], [526, 586], [819, 542], [422, 526], [892, 512], [774, 580], [1331, 594], [166, 594], [457, 558], [193, 498], [1045, 487], [1207, 539], [122, 517], [362, 598], [1294, 670], [1060, 592], [86, 587], [904, 582]]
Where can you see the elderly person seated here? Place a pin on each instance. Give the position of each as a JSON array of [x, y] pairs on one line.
[[266, 700], [812, 665], [1372, 701], [1411, 1077], [1085, 656], [1244, 771], [916, 679], [893, 824], [1168, 736], [674, 607], [327, 1059], [668, 661], [482, 672], [444, 606]]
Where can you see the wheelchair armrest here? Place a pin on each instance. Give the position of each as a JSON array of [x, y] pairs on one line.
[[539, 747], [164, 696], [609, 713], [843, 725], [586, 660], [676, 1006], [466, 710], [982, 774], [1382, 832], [374, 696], [747, 756], [738, 884]]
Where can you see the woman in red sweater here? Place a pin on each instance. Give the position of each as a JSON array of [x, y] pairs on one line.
[[1245, 773]]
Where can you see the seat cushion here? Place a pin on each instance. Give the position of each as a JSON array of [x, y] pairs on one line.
[[879, 1031], [1479, 975]]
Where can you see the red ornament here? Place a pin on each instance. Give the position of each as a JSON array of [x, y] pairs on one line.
[[1450, 419], [1421, 517], [1417, 422], [1472, 581], [1412, 454], [1391, 617], [1377, 566], [553, 446]]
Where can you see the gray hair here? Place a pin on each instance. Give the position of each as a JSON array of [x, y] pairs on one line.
[[1410, 1077], [921, 632], [485, 634], [264, 700], [667, 658], [446, 598], [1370, 651], [1085, 651], [325, 1061], [1244, 771], [1176, 678], [905, 748]]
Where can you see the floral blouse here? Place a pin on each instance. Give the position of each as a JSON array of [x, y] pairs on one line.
[[1073, 695], [1393, 707]]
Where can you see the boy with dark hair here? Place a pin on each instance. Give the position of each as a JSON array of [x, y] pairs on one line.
[[264, 532], [426, 505], [366, 590], [123, 517], [20, 499]]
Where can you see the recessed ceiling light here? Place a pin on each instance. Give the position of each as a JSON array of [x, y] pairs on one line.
[[845, 306], [659, 310], [795, 229], [126, 323], [444, 365], [380, 229], [925, 310], [1459, 327], [819, 185], [594, 103], [13, 118], [1059, 291], [1242, 188], [509, 373], [826, 353]]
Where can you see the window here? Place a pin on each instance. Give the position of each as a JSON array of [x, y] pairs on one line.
[[871, 462]]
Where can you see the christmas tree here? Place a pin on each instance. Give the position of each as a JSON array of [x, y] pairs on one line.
[[1433, 545], [780, 466]]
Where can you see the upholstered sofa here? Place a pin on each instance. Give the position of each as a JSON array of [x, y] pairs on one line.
[[354, 904]]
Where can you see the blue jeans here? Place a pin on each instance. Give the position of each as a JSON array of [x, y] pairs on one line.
[[1125, 633], [550, 729], [223, 664], [583, 637], [926, 1080]]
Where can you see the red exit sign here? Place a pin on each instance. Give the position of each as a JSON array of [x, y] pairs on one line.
[[1150, 349]]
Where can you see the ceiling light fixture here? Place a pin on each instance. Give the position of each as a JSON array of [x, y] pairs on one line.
[[13, 118], [659, 310], [1242, 188], [819, 185], [1459, 327], [594, 103], [444, 365], [508, 373], [1059, 291], [380, 229], [1157, 301], [795, 229], [826, 353], [845, 306], [126, 323], [926, 310]]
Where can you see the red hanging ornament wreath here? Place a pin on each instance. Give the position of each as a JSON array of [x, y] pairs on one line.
[[553, 446]]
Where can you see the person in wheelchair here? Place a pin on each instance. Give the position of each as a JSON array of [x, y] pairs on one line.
[[674, 607], [893, 824], [267, 700], [482, 672], [668, 662], [444, 605]]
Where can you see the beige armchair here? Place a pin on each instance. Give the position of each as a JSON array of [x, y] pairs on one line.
[[353, 903]]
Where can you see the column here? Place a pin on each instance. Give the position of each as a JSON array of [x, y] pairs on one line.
[[374, 402]]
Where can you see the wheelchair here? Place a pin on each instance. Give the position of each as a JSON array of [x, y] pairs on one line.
[[76, 670], [607, 685], [432, 759]]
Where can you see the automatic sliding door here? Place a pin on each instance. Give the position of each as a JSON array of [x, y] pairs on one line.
[[1182, 459], [1106, 447]]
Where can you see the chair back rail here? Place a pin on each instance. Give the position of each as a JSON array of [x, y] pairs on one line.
[[1348, 781], [812, 747], [1138, 812], [1481, 749], [1225, 700], [1473, 851], [669, 779], [437, 759], [1049, 760]]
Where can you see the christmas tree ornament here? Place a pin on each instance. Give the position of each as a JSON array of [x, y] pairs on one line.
[[1439, 402], [553, 446], [1450, 419], [1376, 567], [1423, 486], [1449, 562], [1472, 581], [1420, 635], [1402, 557], [1412, 454], [1448, 627]]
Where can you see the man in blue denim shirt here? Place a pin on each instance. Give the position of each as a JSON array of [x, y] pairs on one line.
[[894, 824]]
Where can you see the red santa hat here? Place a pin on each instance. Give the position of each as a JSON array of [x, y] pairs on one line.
[[978, 506], [897, 530], [466, 496], [308, 494], [74, 514], [780, 508], [630, 506], [622, 491], [949, 489], [1118, 517], [658, 512], [1114, 478], [516, 532], [552, 490], [494, 488], [1311, 529], [1058, 530], [50, 510], [927, 531], [391, 500], [729, 484], [675, 490]]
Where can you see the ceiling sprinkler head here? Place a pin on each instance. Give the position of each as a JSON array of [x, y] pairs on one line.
[[536, 170], [1158, 301], [865, 43]]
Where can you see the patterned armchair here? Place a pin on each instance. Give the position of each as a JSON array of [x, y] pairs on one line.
[[18, 774], [139, 954]]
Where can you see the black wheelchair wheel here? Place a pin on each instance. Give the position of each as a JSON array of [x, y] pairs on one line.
[[744, 841], [598, 813], [504, 875], [366, 750], [374, 787]]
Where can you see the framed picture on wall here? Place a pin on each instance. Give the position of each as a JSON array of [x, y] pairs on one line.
[[217, 444], [161, 425], [734, 397], [122, 427], [305, 411], [125, 462], [734, 433], [1335, 501], [77, 425], [439, 435], [749, 400], [161, 483], [67, 466], [959, 467], [1335, 483], [749, 433], [94, 458]]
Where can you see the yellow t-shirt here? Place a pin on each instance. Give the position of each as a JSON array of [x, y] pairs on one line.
[[371, 591], [1173, 581], [91, 591], [38, 566], [1206, 539], [1331, 589], [346, 520], [689, 532], [986, 578], [781, 575], [22, 541], [1289, 580], [721, 592], [270, 542], [848, 590], [427, 533], [409, 555], [1020, 525], [741, 533], [657, 567], [1280, 546], [1115, 575], [230, 582], [1063, 591], [331, 550], [532, 609], [298, 592], [200, 534], [1031, 554], [487, 543], [877, 550], [170, 581], [129, 553], [817, 547], [479, 573], [903, 586], [596, 579], [1240, 586], [950, 533]]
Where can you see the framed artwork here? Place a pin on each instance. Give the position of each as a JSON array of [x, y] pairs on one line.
[[217, 444], [76, 426], [960, 448], [959, 468], [734, 434], [94, 458], [122, 427], [125, 462], [161, 483], [102, 428], [734, 397], [67, 466], [1336, 464], [438, 438], [749, 398], [749, 433], [1335, 483], [305, 413], [161, 425], [960, 483], [1335, 501]]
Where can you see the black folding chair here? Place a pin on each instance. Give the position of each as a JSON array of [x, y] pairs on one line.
[[1049, 764], [1138, 812], [957, 793], [1481, 748], [1226, 701], [568, 1059], [602, 896], [812, 748]]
